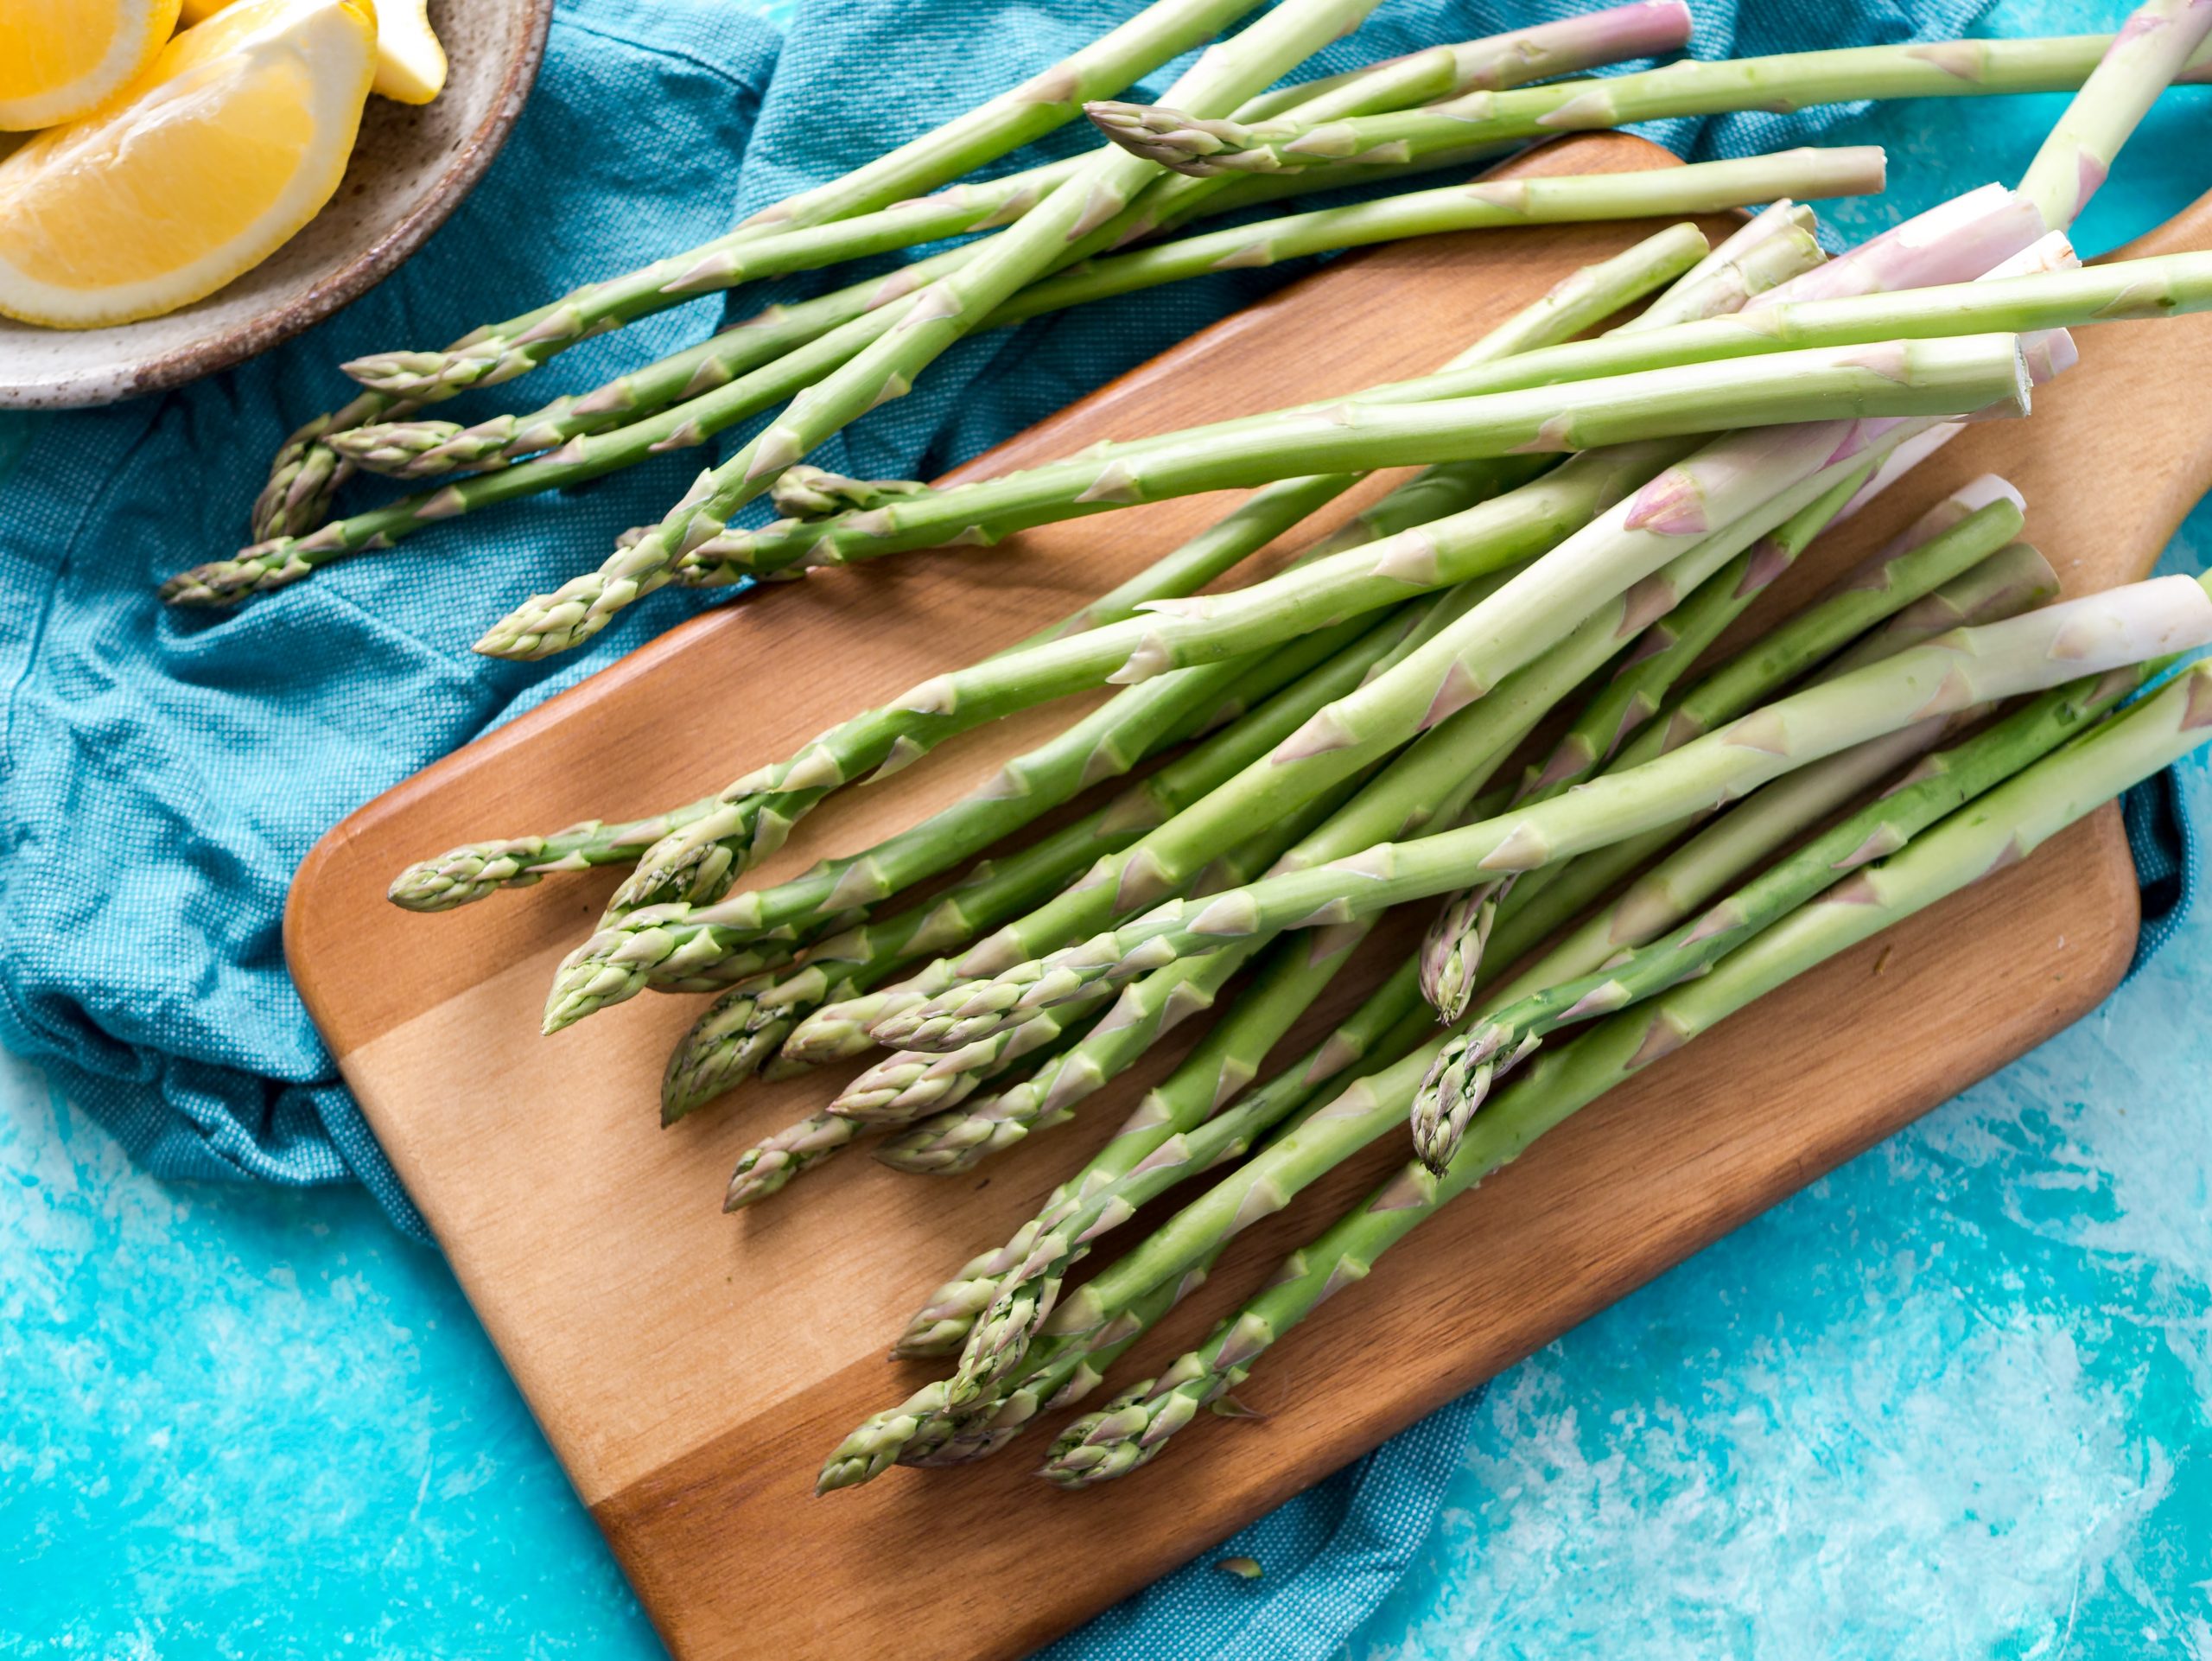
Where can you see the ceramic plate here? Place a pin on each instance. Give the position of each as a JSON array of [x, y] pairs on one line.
[[409, 170]]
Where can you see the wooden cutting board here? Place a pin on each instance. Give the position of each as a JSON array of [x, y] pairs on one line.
[[691, 1369]]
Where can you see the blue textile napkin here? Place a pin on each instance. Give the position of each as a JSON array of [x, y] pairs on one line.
[[164, 773]]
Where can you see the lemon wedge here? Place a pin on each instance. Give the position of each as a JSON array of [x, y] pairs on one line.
[[410, 64], [232, 139], [57, 62]]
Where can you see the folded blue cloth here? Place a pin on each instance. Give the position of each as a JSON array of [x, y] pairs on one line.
[[165, 771]]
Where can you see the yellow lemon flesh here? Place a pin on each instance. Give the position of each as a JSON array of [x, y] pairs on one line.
[[61, 58], [410, 64], [231, 141]]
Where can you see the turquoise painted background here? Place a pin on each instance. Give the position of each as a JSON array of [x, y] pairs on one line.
[[1955, 1400]]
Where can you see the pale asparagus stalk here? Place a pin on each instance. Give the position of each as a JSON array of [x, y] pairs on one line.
[[1999, 829], [2152, 47]]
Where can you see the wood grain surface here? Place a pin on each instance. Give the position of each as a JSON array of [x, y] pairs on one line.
[[691, 1370]]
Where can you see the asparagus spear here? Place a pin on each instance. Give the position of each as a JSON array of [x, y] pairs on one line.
[[1737, 488], [910, 1084], [838, 1029], [925, 1430], [907, 1086], [2152, 47], [420, 449], [753, 1016], [1021, 1304], [1429, 786], [698, 866], [559, 621], [1935, 551], [287, 558], [306, 470], [1952, 672], [477, 869], [2157, 287], [993, 128], [1998, 830], [1004, 1296], [1457, 1085], [429, 449], [805, 241], [670, 940], [941, 314], [1165, 134], [2014, 579], [2008, 582]]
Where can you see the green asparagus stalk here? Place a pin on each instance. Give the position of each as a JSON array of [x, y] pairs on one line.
[[993, 128], [1707, 507], [1025, 1293], [2154, 46], [1457, 1083], [669, 941], [1999, 829], [942, 314], [288, 558], [294, 501], [1955, 671], [1939, 547], [428, 448], [1165, 134], [699, 866], [1428, 786], [910, 1084], [560, 621], [425, 449], [805, 241], [905, 1087], [923, 1430], [2009, 582], [1214, 1074], [1006, 1297], [2135, 289], [477, 869], [1180, 1135]]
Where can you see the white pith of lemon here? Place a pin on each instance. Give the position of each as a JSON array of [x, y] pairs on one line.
[[234, 138], [60, 59], [410, 64]]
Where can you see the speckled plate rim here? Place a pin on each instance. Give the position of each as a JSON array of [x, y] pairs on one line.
[[133, 378]]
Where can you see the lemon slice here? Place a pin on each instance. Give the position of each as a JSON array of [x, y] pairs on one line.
[[410, 64], [231, 141], [57, 62]]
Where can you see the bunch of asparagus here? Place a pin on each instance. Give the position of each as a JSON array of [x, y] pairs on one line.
[[1487, 704], [1041, 240]]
